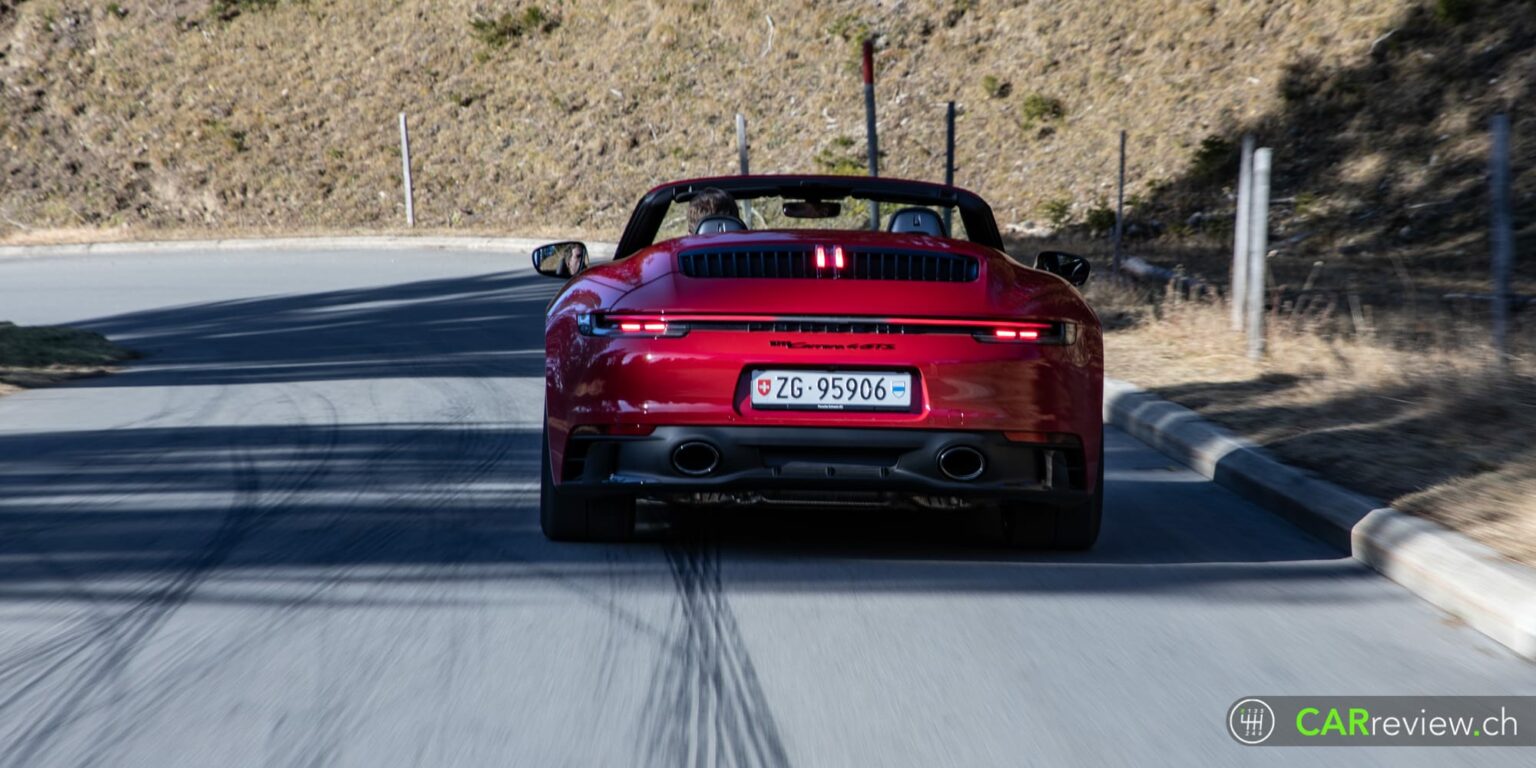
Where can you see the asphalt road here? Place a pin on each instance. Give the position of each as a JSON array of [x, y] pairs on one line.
[[303, 531]]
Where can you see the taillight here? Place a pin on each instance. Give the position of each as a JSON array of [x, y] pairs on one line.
[[643, 327], [1015, 334], [1028, 333], [837, 256], [603, 324]]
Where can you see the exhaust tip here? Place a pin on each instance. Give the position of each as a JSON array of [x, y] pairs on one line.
[[962, 462], [695, 458]]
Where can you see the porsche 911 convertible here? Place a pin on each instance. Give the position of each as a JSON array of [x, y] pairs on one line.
[[843, 341]]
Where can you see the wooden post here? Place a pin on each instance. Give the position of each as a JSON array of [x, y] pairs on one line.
[[1503, 238], [1258, 249], [1238, 294], [949, 164], [1119, 211], [405, 163], [741, 155], [869, 126]]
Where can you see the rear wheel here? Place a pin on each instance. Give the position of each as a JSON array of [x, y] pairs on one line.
[[566, 517]]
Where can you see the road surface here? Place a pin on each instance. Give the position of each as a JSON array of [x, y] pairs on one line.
[[303, 532]]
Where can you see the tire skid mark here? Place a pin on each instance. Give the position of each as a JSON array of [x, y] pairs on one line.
[[257, 513], [95, 620], [482, 452], [16, 534], [706, 705], [106, 644]]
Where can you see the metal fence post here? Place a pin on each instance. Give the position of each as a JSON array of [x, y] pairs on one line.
[[1258, 249], [869, 121], [405, 163], [741, 155], [1503, 238], [949, 163], [1238, 293], [1119, 210]]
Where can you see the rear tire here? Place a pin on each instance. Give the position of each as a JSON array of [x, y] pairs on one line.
[[564, 517], [1065, 528]]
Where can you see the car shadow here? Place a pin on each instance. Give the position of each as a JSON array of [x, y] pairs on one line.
[[383, 503]]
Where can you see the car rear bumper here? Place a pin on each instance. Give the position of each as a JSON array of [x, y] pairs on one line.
[[696, 461]]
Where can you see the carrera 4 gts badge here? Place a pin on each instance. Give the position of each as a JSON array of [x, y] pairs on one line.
[[873, 346]]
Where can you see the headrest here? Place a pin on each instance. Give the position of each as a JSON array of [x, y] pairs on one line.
[[715, 224], [920, 221]]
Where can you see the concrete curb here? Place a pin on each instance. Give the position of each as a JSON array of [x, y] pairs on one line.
[[364, 242], [1492, 594]]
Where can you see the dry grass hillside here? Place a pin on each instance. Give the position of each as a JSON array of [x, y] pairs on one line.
[[556, 114]]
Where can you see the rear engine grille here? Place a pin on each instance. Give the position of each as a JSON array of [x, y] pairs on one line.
[[797, 262], [773, 262], [912, 265]]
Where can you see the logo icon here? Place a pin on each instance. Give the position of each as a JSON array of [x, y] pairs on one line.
[[764, 386], [1251, 721]]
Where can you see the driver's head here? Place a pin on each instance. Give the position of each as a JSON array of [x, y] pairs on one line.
[[710, 201], [573, 259]]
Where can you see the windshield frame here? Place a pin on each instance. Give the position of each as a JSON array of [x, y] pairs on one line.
[[651, 211]]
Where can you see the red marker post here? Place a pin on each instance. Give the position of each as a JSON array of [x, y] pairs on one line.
[[869, 123]]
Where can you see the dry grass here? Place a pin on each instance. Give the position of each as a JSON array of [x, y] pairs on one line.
[[279, 115], [284, 115], [1433, 429]]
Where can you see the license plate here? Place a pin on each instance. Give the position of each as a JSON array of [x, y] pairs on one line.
[[831, 390]]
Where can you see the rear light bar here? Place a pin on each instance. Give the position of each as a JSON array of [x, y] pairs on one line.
[[639, 326], [655, 325], [647, 327], [1057, 334]]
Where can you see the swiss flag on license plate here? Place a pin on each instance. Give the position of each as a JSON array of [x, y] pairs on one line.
[[764, 386]]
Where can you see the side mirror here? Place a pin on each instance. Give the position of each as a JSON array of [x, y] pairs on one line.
[[563, 260], [1072, 267]]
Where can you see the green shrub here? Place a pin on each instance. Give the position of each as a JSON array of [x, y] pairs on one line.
[[501, 31], [853, 31], [1039, 107], [1057, 211], [957, 11], [995, 88], [1307, 204], [40, 346], [1100, 219], [229, 136], [850, 28], [1455, 11], [226, 10], [839, 159], [1215, 159]]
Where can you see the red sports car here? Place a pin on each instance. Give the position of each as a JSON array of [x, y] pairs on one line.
[[825, 340]]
